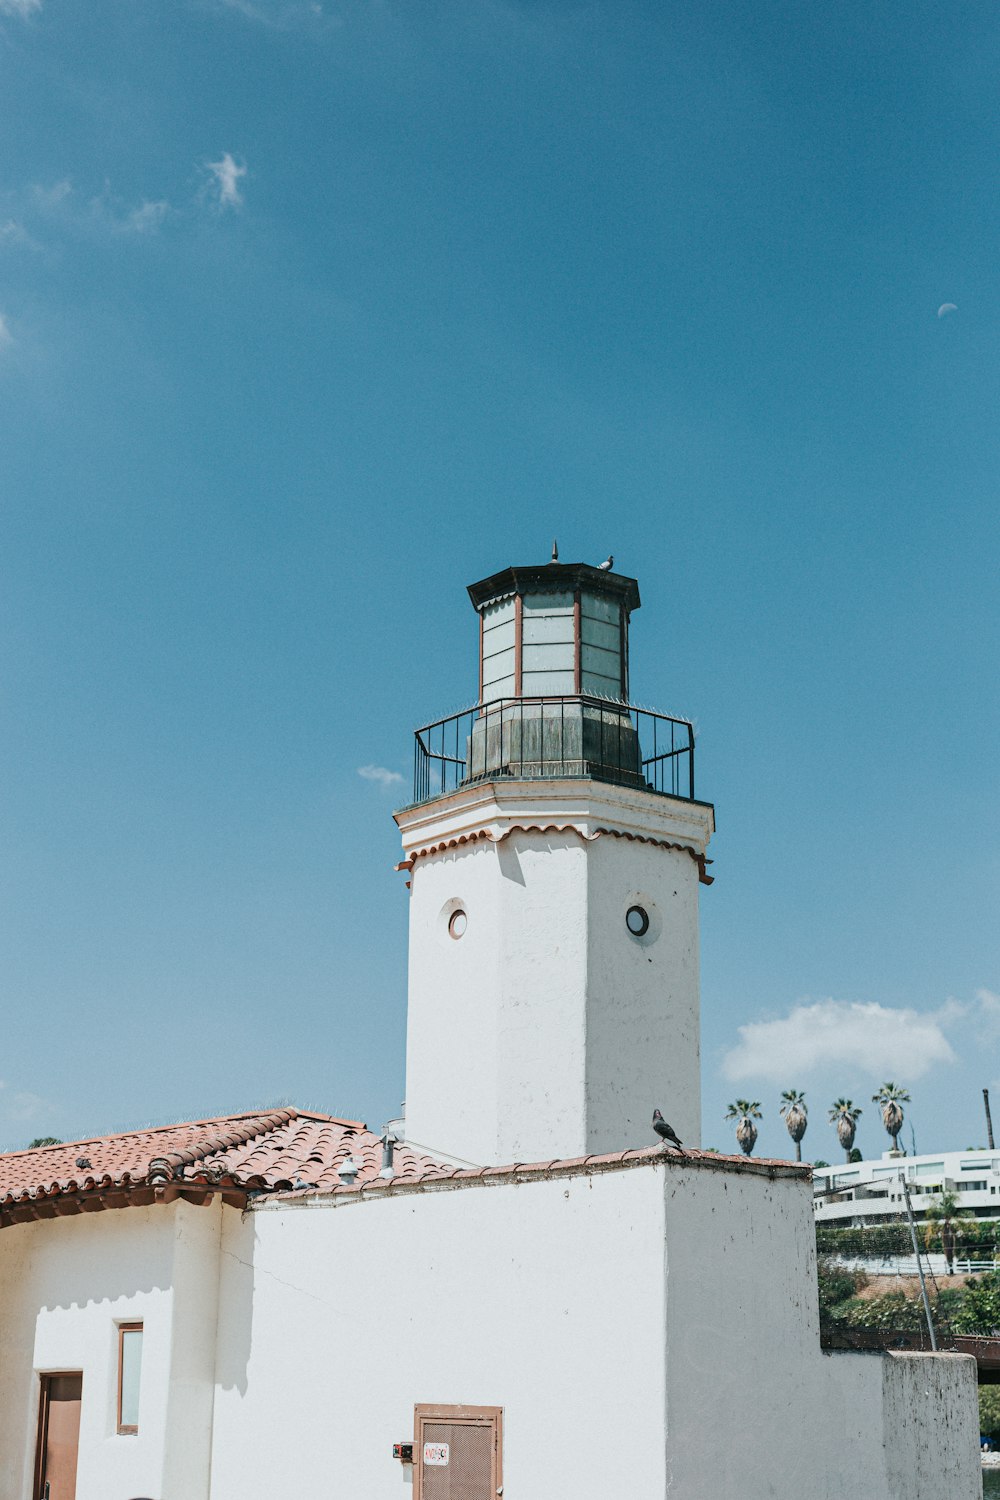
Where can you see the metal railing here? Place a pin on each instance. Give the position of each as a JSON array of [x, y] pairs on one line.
[[576, 735]]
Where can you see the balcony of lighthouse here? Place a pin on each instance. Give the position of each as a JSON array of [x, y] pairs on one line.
[[551, 737]]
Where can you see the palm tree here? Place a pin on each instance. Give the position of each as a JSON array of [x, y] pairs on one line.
[[943, 1218], [746, 1111], [794, 1111], [845, 1115], [889, 1099]]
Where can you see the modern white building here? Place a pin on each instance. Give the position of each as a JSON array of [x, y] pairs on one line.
[[871, 1192], [521, 1297]]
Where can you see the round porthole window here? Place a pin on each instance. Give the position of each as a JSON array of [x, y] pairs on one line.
[[457, 924], [637, 921]]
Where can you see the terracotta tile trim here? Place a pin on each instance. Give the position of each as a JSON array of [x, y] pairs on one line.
[[580, 1166], [617, 833]]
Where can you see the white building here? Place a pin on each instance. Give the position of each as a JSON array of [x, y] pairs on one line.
[[522, 1298], [871, 1192]]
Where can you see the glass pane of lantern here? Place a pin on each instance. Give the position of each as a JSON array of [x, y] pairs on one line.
[[598, 607], [596, 686], [538, 684], [600, 633], [496, 667], [548, 604], [547, 650], [498, 650]]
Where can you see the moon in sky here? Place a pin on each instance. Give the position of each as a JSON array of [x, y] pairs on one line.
[[946, 308]]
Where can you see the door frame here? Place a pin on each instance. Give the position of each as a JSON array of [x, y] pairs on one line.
[[469, 1416], [45, 1379]]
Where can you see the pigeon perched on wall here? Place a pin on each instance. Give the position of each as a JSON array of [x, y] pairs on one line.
[[607, 566], [666, 1132]]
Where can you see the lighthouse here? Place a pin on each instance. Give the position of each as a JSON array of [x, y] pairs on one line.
[[555, 850]]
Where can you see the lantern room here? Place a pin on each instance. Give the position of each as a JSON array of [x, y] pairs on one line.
[[554, 630]]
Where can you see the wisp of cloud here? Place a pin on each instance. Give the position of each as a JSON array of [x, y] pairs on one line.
[[381, 774], [227, 173], [876, 1039]]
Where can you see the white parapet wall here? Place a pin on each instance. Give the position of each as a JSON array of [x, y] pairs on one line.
[[648, 1323], [650, 1328], [752, 1400]]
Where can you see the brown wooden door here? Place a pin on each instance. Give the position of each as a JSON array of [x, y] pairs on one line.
[[457, 1453], [58, 1437]]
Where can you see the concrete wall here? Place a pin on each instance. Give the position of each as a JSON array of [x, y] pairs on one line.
[[548, 1030], [753, 1405], [546, 1299], [649, 1332], [65, 1285]]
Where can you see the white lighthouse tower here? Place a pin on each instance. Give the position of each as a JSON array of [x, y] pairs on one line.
[[555, 850]]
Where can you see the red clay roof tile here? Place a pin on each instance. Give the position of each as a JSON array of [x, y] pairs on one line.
[[259, 1152]]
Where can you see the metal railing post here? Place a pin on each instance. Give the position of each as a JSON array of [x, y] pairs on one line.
[[916, 1251]]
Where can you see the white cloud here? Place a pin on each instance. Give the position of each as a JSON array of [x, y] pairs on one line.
[[227, 174], [148, 217], [282, 15], [989, 1010], [14, 233], [879, 1040], [48, 197], [19, 7], [381, 774]]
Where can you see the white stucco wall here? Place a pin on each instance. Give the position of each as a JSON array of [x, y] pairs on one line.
[[643, 1011], [752, 1401], [65, 1286], [548, 1030], [649, 1332], [546, 1299]]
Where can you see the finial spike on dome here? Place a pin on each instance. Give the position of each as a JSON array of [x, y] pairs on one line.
[[555, 551]]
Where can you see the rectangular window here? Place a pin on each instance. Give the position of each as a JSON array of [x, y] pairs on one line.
[[457, 1452], [129, 1367], [498, 650]]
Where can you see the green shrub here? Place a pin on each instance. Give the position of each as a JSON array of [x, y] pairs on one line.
[[979, 1309], [893, 1311], [876, 1241], [989, 1411]]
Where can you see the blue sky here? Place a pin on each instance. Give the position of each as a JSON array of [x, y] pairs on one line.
[[314, 313]]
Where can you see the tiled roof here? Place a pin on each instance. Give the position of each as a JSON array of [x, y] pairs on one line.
[[234, 1156], [432, 1173]]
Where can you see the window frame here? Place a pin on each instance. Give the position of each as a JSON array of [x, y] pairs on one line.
[[126, 1429], [470, 1416]]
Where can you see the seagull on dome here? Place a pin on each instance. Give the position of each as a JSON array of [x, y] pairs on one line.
[[607, 566], [666, 1132]]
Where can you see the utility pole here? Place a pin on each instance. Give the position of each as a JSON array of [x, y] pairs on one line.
[[989, 1122], [920, 1269]]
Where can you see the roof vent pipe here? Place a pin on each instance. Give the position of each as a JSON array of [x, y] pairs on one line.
[[348, 1171], [388, 1142]]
